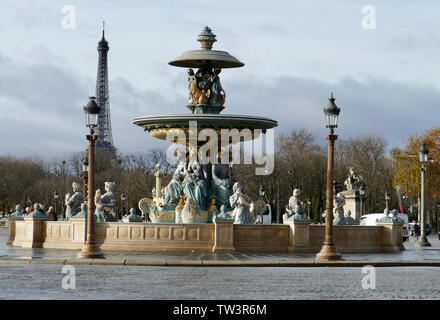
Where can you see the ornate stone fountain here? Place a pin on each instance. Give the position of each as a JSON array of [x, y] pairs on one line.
[[198, 188]]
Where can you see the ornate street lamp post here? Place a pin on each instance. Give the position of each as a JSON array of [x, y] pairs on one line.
[[85, 174], [361, 204], [309, 205], [423, 158], [90, 249], [262, 192], [64, 188], [387, 200], [328, 251], [123, 204], [55, 198]]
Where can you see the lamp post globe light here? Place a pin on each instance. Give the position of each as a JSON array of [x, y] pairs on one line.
[[90, 249], [328, 250], [423, 158]]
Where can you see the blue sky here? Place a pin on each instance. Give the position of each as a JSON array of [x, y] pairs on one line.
[[385, 80]]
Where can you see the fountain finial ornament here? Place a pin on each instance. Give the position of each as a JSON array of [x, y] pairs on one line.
[[18, 212], [206, 38], [38, 212]]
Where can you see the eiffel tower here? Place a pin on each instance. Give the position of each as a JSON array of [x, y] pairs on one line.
[[104, 131]]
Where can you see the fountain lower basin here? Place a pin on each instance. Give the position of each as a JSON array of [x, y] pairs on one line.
[[161, 126]]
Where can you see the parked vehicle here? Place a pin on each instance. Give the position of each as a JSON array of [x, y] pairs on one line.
[[266, 217], [372, 218]]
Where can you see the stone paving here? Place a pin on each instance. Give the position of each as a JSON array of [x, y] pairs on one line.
[[233, 283], [43, 281]]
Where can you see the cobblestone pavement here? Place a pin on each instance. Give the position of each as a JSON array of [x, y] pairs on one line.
[[232, 283], [43, 281]]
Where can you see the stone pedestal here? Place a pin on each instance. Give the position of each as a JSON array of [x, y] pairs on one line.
[[299, 236], [34, 229], [353, 203], [78, 228], [223, 236], [12, 230], [392, 238]]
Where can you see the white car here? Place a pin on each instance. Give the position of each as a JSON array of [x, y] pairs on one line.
[[266, 217], [372, 218]]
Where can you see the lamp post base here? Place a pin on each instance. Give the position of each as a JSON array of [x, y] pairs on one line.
[[328, 253], [90, 252], [423, 242]]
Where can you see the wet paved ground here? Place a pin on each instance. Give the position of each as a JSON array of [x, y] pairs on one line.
[[411, 253], [232, 283], [44, 281]]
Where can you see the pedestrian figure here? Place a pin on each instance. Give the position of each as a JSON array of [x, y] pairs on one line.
[[51, 212], [417, 231]]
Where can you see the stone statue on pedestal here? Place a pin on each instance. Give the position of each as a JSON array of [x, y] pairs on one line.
[[294, 210], [106, 204], [221, 184], [174, 189], [338, 203], [132, 217], [194, 184], [73, 203], [83, 213], [338, 207], [353, 196], [353, 180], [241, 204], [349, 219]]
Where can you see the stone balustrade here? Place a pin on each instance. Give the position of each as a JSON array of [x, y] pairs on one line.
[[221, 236]]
